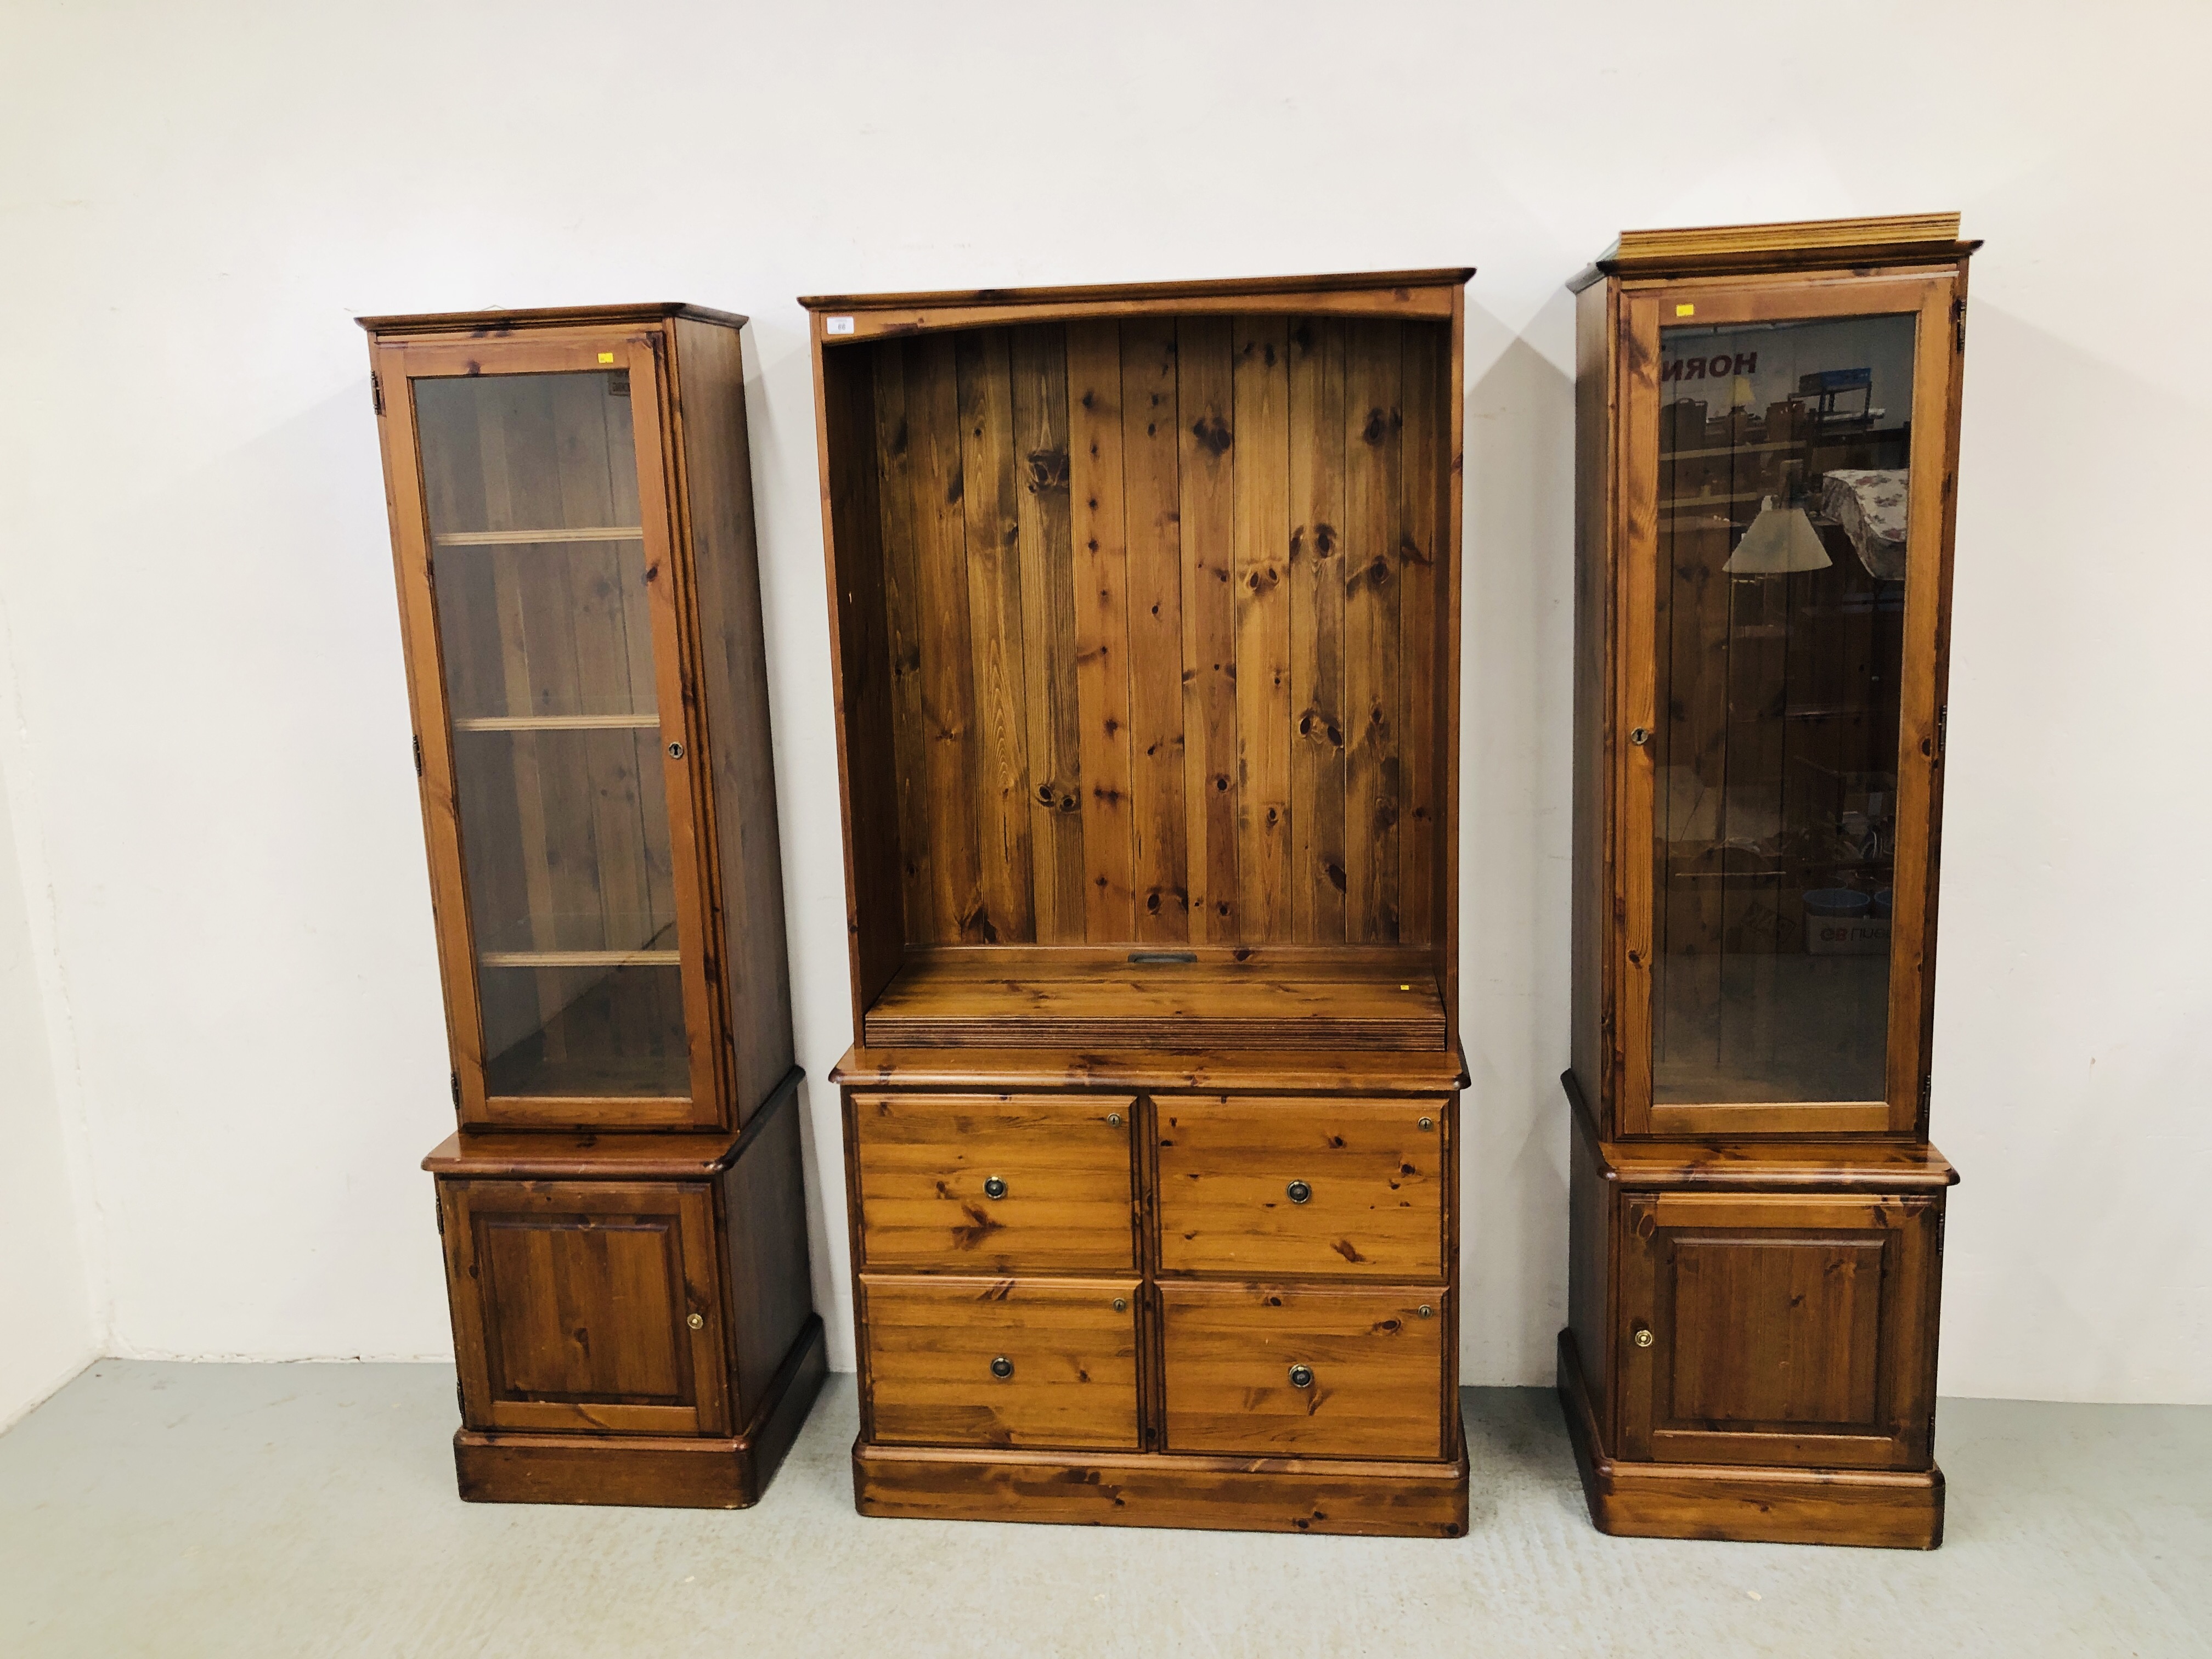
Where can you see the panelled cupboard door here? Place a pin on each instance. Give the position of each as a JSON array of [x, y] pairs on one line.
[[1002, 1362], [1333, 1187], [586, 1305], [1784, 486], [540, 599], [969, 1183], [1778, 1329]]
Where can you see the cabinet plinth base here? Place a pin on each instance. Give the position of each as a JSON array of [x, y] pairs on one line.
[[1232, 1494], [1751, 1504], [668, 1471]]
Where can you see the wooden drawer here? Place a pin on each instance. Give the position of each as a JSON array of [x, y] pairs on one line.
[[586, 1305], [1341, 1188], [936, 1347], [1774, 1327], [929, 1164], [1376, 1355]]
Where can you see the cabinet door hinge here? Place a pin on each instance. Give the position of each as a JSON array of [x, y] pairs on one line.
[[1958, 324], [1927, 1087], [457, 1088], [441, 1216], [376, 391], [461, 1399], [418, 756], [1943, 728]]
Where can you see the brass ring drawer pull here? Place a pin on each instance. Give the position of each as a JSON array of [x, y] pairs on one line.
[[1002, 1367], [994, 1188], [1302, 1377], [1299, 1192]]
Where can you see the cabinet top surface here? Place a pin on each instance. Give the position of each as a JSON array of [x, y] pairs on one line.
[[493, 324], [1899, 239], [1669, 1166], [1108, 293], [582, 1156]]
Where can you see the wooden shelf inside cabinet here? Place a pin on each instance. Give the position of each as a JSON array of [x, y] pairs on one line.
[[1049, 998], [555, 722], [1755, 1214], [622, 1209], [538, 538], [1146, 606]]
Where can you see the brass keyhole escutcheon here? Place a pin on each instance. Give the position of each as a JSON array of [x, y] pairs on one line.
[[676, 752], [1114, 1118], [1299, 1192], [1302, 1377], [1640, 735], [994, 1188], [1644, 1337], [1426, 1311], [1002, 1367], [696, 1321], [1121, 1305], [1427, 1124]]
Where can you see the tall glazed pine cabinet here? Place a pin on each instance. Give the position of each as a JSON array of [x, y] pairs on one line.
[[1146, 615], [622, 1213], [1767, 422]]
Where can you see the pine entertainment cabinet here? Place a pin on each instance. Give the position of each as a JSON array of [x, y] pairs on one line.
[[624, 1229], [1767, 423], [1145, 624]]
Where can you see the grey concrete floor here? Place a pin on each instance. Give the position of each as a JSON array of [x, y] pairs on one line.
[[243, 1510]]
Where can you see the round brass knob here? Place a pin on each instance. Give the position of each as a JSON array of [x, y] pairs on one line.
[[994, 1188], [1427, 1124], [1644, 1337], [1121, 1305], [1302, 1377], [1426, 1311], [1299, 1192], [1002, 1367], [696, 1321]]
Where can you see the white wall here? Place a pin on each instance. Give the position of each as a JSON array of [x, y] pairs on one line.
[[199, 198], [50, 1312]]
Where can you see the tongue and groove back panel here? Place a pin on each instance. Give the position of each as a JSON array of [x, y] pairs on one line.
[[1161, 613]]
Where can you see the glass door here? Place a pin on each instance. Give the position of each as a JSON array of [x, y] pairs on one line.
[[545, 540], [1788, 446]]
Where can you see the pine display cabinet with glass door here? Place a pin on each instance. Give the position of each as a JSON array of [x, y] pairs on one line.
[[1767, 421], [624, 1235], [1145, 607]]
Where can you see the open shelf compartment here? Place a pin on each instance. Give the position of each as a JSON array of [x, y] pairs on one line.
[[1143, 998], [1144, 635]]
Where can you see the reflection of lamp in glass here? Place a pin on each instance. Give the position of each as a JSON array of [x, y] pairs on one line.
[[1781, 540]]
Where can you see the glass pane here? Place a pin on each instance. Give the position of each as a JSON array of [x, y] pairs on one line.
[[1782, 451], [539, 571]]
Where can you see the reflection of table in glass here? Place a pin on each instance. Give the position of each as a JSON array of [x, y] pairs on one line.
[[1777, 686]]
